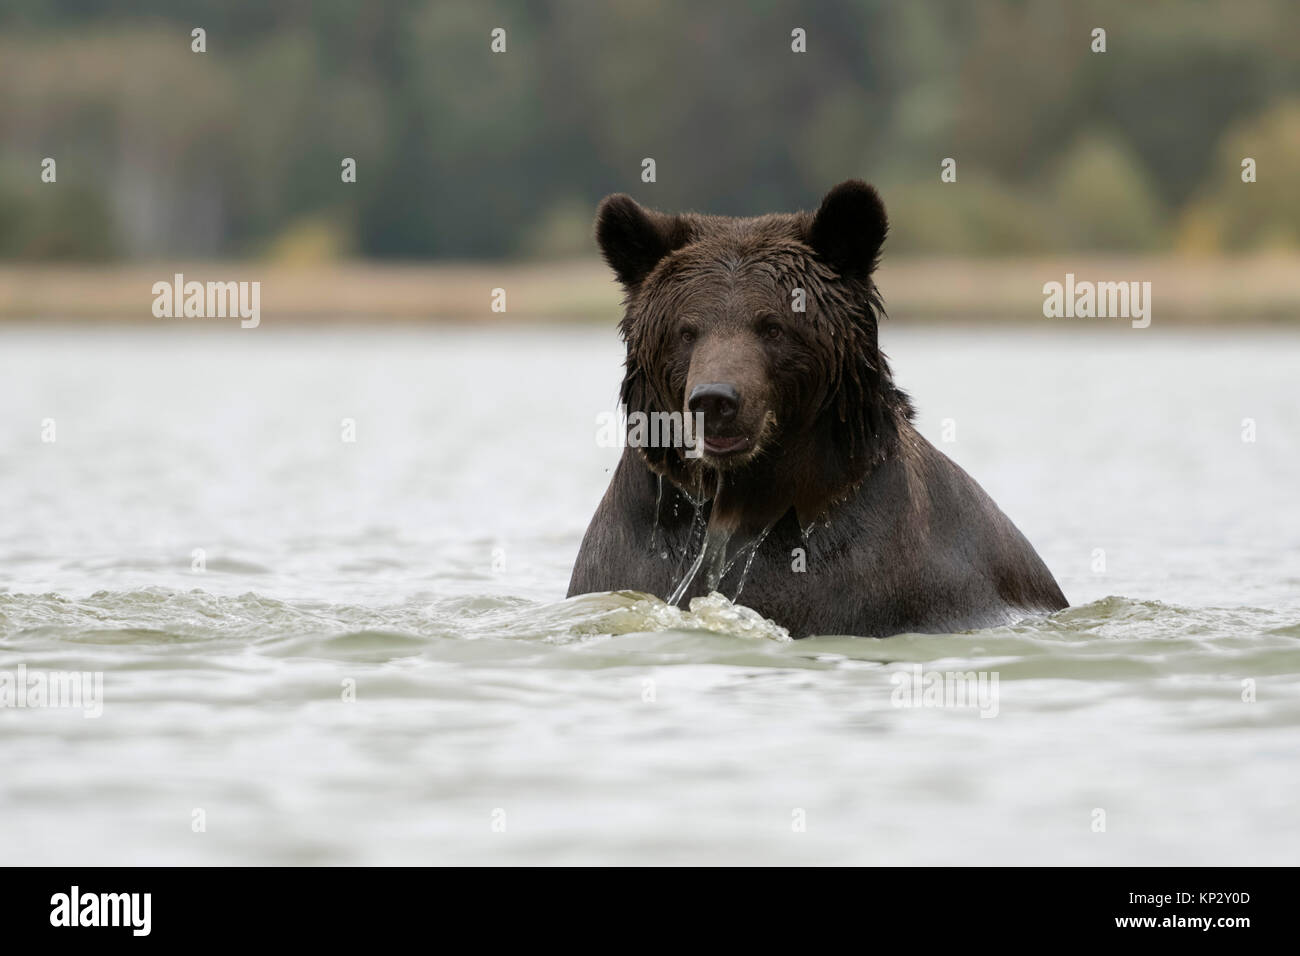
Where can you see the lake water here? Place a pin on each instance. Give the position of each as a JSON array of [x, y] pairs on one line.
[[199, 532]]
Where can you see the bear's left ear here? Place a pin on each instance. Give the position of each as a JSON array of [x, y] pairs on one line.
[[849, 228], [633, 239]]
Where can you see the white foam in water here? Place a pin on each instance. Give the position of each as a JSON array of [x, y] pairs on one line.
[[716, 613]]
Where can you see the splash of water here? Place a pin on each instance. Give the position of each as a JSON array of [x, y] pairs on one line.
[[699, 531], [715, 547], [749, 561], [708, 545], [712, 555]]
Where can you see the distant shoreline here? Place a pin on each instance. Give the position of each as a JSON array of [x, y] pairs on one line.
[[1190, 291]]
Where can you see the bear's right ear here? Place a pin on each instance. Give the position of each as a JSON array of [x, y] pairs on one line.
[[849, 228], [633, 239]]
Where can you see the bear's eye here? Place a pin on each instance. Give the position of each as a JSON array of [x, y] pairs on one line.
[[688, 335], [771, 330]]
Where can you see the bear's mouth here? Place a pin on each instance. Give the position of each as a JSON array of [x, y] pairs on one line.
[[721, 446]]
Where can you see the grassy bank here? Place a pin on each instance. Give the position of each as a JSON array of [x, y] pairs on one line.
[[1191, 291]]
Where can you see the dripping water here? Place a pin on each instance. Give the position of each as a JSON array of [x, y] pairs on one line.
[[715, 546], [712, 554], [698, 532], [655, 531], [749, 561]]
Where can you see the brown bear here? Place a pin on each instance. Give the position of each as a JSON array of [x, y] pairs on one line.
[[809, 488]]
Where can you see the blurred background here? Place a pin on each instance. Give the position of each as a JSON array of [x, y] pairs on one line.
[[478, 169]]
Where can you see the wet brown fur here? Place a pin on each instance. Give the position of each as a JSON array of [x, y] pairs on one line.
[[833, 435]]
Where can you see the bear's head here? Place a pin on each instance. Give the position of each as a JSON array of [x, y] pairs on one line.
[[768, 328]]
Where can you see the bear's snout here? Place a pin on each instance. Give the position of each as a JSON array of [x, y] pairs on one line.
[[718, 402], [728, 392]]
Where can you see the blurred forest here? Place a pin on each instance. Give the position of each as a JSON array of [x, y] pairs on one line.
[[466, 153]]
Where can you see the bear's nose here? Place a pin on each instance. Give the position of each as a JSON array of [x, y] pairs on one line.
[[718, 402]]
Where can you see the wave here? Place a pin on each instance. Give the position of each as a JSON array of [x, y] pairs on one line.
[[1113, 637]]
